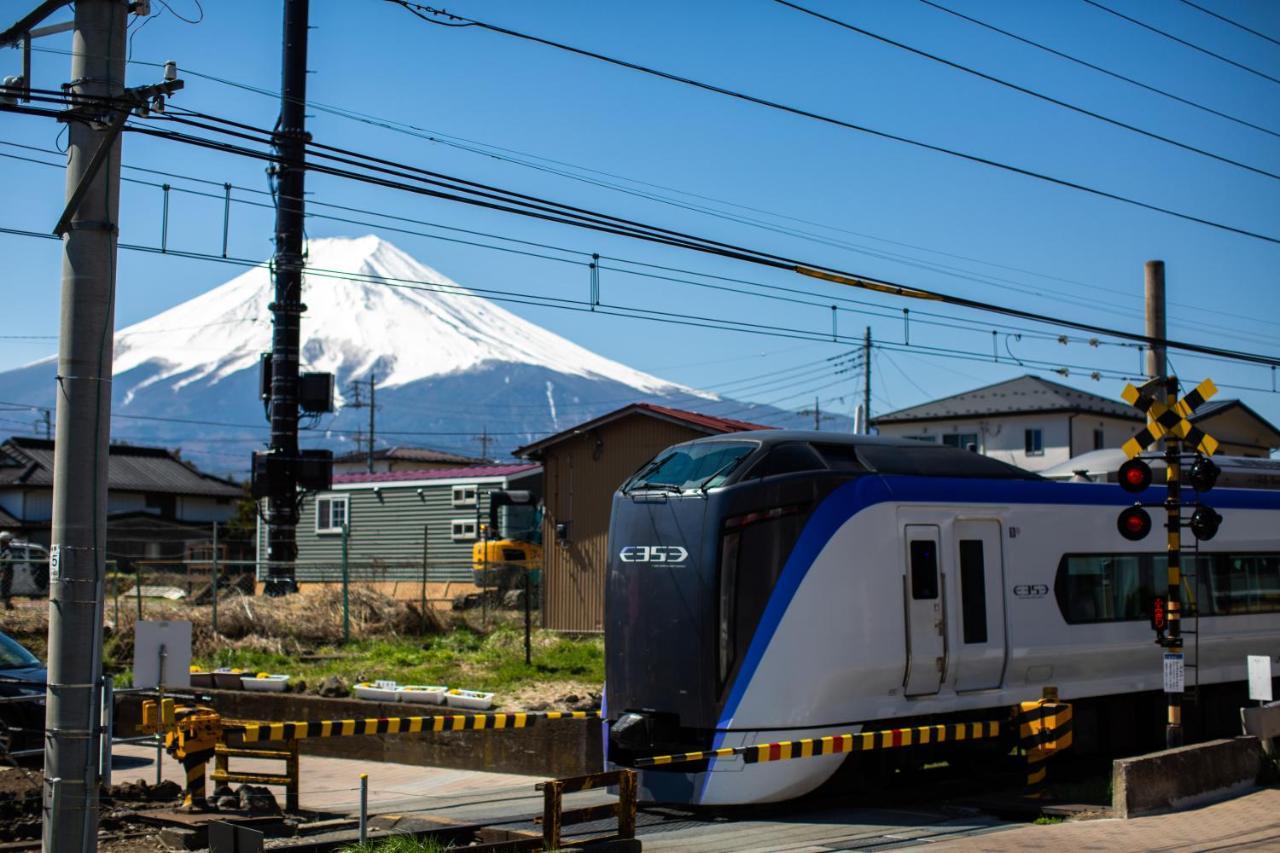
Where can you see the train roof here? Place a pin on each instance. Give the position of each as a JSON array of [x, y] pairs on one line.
[[883, 455], [1102, 466]]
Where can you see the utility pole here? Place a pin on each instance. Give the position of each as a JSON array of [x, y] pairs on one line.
[[357, 403], [290, 143], [485, 440], [1166, 387], [79, 532], [866, 382], [817, 414]]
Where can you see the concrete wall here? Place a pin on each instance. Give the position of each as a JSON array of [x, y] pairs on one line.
[[1184, 777], [1064, 435]]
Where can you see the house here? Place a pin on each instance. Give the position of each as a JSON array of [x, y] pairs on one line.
[[387, 459], [1029, 421], [157, 504], [1037, 424], [583, 467], [409, 533]]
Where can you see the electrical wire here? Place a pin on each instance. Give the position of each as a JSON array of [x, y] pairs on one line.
[[1182, 41], [1113, 74], [423, 11], [1058, 102], [1233, 23]]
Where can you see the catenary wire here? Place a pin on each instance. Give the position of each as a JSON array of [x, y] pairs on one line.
[[422, 11], [1232, 22], [1168, 140]]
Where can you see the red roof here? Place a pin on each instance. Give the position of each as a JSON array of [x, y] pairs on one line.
[[709, 424], [469, 472]]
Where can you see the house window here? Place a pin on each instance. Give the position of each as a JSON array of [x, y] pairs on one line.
[[1099, 440], [1034, 442], [464, 495], [932, 439], [962, 440], [463, 529], [331, 513]]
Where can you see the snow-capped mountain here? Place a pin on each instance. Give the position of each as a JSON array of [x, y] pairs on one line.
[[450, 365]]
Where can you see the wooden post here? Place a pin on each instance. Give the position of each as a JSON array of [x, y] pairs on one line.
[[627, 804], [551, 802]]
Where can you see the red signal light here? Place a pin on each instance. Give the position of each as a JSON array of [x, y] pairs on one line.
[[1135, 476], [1159, 619], [1134, 523]]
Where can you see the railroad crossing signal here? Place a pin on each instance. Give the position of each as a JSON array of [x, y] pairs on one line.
[[1164, 420]]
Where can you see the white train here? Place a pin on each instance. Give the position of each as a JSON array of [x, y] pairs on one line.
[[781, 585]]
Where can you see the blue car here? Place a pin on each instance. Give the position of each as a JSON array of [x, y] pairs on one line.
[[21, 674]]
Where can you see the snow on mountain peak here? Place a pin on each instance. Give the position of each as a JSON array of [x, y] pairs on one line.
[[370, 306]]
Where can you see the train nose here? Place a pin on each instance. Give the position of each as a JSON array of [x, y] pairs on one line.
[[645, 732], [632, 732]]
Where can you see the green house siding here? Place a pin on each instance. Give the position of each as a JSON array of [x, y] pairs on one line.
[[386, 532]]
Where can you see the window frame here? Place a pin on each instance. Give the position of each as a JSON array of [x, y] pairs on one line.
[[1036, 447], [459, 497], [1099, 439], [331, 499], [463, 536]]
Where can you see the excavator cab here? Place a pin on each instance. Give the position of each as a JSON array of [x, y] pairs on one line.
[[510, 544]]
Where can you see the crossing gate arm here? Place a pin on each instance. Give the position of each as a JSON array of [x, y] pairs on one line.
[[254, 731]]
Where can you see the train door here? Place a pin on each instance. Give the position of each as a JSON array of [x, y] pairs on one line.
[[978, 605], [926, 616]]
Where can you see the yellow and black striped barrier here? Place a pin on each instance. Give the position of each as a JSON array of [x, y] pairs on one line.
[[1042, 729], [836, 744], [253, 732]]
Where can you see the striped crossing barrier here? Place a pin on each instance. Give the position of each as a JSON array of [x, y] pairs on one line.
[[1044, 728], [836, 744], [253, 732]]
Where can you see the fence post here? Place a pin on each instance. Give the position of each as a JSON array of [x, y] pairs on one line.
[[137, 587], [346, 584], [528, 644], [364, 808], [215, 578], [424, 578]]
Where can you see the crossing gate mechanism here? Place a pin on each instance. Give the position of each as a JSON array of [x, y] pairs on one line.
[[1040, 728], [194, 734]]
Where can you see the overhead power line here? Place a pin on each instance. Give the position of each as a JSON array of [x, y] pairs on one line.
[[1058, 102], [1183, 42], [424, 11], [1233, 23], [1113, 74], [523, 204]]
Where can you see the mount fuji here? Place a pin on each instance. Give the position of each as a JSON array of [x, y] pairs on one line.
[[448, 363]]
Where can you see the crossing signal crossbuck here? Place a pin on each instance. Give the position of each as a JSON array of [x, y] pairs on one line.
[[1182, 439]]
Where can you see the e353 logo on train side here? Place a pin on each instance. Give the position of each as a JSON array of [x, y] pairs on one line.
[[669, 554]]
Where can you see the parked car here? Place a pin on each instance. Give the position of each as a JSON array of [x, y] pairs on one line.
[[21, 674]]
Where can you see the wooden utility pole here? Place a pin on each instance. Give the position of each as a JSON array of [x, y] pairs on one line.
[[866, 382]]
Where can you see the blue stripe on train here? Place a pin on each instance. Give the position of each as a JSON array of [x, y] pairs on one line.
[[864, 492]]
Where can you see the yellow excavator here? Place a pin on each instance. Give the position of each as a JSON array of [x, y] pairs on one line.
[[510, 545]]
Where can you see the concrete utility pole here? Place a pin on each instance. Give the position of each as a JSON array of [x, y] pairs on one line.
[[866, 382], [1167, 389], [79, 535], [290, 144], [373, 416]]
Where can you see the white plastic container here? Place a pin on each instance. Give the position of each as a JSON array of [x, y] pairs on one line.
[[470, 699], [422, 694], [266, 683], [378, 691]]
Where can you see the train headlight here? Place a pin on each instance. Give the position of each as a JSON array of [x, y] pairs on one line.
[[1134, 523]]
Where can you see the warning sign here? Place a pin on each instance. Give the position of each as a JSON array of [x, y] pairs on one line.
[[1174, 673], [1260, 678]]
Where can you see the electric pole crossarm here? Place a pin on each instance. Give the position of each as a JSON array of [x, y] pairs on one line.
[[23, 27]]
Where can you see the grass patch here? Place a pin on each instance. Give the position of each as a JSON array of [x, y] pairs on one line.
[[1047, 820], [398, 844], [462, 657]]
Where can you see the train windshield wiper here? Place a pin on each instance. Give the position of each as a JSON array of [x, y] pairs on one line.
[[723, 471], [656, 487]]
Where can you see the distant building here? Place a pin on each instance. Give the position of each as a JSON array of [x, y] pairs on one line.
[[157, 504], [583, 466], [390, 459], [1037, 424], [400, 524]]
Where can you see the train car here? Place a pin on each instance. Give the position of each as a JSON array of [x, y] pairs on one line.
[[778, 585]]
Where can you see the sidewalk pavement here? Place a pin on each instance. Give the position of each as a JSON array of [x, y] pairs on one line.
[[1247, 822]]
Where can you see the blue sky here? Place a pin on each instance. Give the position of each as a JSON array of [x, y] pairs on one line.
[[909, 215]]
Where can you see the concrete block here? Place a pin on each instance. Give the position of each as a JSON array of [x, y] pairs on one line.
[[1184, 777], [1264, 724]]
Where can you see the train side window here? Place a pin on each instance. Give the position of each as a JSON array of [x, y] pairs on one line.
[[924, 569], [973, 591]]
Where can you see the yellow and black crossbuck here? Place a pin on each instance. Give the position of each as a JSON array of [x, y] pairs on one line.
[[1165, 420]]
